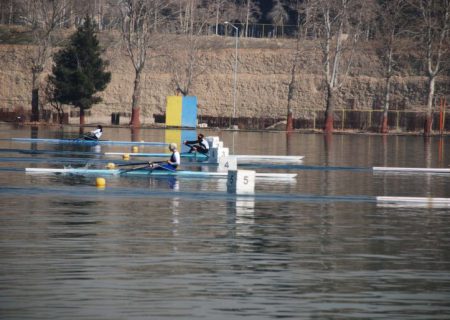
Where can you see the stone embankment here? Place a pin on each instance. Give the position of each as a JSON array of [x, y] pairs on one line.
[[263, 74]]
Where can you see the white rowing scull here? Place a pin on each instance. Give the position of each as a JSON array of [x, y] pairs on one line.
[[145, 172]]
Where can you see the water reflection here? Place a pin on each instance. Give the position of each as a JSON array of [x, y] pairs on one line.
[[173, 248], [289, 143], [240, 220], [428, 160], [98, 150], [34, 133], [441, 152], [135, 133], [178, 136], [176, 211], [173, 183], [242, 210]]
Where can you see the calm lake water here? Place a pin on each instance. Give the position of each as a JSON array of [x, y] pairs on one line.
[[318, 247]]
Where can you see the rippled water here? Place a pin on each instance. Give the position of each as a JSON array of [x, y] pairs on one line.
[[320, 247]]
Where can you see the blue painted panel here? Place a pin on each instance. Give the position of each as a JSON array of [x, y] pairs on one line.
[[189, 112]]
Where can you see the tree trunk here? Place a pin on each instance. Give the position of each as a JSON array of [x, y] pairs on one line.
[[289, 122], [35, 105], [384, 121], [10, 18], [387, 93], [81, 117], [247, 18], [291, 93], [329, 113], [135, 109], [429, 116], [34, 96]]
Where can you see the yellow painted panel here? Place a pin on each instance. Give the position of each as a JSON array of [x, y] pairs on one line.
[[174, 111]]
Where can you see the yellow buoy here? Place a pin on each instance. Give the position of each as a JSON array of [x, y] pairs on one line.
[[126, 156], [100, 182], [110, 165], [135, 149]]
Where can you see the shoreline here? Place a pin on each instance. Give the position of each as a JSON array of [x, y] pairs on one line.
[[303, 131]]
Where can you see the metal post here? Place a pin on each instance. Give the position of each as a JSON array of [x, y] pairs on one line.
[[236, 36]]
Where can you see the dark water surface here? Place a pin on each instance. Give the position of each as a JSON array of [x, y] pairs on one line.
[[320, 247]]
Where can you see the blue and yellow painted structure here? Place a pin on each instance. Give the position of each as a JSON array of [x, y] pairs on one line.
[[181, 111]]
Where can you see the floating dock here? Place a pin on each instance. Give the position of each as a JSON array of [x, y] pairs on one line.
[[411, 170], [422, 202]]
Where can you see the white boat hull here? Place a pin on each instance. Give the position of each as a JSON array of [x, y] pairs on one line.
[[143, 172]]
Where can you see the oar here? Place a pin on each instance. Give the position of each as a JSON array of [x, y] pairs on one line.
[[139, 163], [134, 169], [148, 166], [165, 168], [112, 165]]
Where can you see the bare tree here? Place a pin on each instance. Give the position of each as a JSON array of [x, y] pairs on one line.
[[339, 22], [43, 17], [433, 35], [293, 84], [248, 11], [188, 58], [186, 12], [391, 25], [140, 19], [7, 11], [3, 11], [55, 105], [219, 8], [279, 16]]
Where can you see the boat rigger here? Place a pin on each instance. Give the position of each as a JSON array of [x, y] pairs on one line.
[[144, 172]]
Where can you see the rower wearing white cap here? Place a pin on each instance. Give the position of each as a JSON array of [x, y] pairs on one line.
[[172, 163]]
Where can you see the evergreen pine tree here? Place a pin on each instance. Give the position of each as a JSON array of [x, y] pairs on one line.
[[79, 71]]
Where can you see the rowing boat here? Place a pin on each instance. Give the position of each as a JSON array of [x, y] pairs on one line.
[[89, 142], [144, 172], [199, 156]]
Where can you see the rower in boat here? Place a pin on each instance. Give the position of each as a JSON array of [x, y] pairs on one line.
[[172, 163], [199, 145], [94, 134]]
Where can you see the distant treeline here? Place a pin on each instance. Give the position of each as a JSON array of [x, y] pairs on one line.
[[415, 31]]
